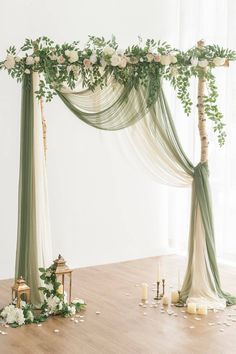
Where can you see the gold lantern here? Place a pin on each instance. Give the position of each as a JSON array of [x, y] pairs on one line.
[[61, 270], [20, 288]]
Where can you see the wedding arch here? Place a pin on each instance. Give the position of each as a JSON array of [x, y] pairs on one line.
[[112, 89]]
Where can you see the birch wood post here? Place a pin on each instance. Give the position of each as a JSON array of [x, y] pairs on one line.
[[201, 114]]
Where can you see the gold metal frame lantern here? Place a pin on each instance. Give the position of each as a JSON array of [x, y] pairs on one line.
[[20, 288], [61, 269]]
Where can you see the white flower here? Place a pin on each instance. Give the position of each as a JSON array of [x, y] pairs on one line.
[[60, 59], [9, 62], [194, 61], [37, 59], [150, 57], [17, 59], [123, 62], [67, 53], [73, 57], [218, 61], [52, 303], [29, 61], [93, 58], [115, 60], [19, 317], [203, 63], [108, 50], [27, 71], [173, 59], [165, 59]]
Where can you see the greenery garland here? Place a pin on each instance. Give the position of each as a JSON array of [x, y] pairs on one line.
[[55, 303], [142, 64]]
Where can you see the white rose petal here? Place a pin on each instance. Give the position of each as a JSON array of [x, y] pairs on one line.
[[218, 61], [29, 61], [203, 63], [9, 62], [108, 50], [165, 59]]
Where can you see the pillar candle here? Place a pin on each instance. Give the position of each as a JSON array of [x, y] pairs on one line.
[[144, 292], [165, 300], [192, 308], [174, 297], [202, 309]]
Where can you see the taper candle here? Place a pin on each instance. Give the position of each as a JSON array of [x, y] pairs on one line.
[[144, 292]]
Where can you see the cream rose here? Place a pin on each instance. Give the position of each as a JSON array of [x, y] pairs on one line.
[[218, 61], [61, 59], [123, 62], [115, 60], [37, 59], [9, 62], [165, 59], [73, 57], [173, 59], [108, 50]]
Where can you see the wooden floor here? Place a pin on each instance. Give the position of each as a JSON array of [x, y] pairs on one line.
[[122, 327]]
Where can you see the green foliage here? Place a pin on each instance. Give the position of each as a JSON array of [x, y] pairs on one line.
[[140, 64]]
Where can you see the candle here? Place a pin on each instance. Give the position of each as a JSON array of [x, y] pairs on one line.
[[192, 308], [174, 297], [165, 300], [158, 272], [202, 309], [144, 292]]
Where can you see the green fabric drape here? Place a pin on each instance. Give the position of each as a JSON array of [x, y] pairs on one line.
[[26, 251], [161, 131]]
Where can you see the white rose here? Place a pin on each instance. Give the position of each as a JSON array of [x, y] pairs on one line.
[[115, 60], [9, 62], [203, 63], [27, 71], [123, 62], [173, 59], [29, 61], [194, 61], [165, 59], [67, 53], [37, 59], [218, 61], [93, 58], [73, 57], [108, 50], [17, 59]]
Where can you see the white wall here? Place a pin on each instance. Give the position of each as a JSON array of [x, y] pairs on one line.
[[103, 209]]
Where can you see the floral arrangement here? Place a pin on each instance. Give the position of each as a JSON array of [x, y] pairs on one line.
[[55, 299], [55, 303], [142, 64]]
